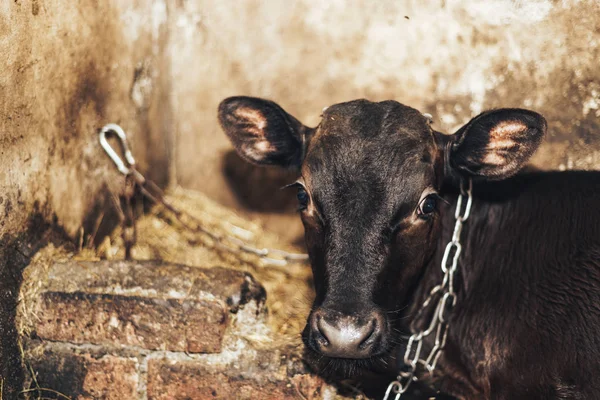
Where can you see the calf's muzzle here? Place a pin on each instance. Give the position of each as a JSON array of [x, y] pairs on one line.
[[339, 335]]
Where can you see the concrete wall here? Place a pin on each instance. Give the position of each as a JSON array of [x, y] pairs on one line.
[[448, 57], [160, 68], [68, 69]]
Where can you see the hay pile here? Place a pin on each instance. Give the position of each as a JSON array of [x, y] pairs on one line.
[[160, 236]]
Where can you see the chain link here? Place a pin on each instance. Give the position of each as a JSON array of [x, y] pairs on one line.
[[444, 298], [237, 241]]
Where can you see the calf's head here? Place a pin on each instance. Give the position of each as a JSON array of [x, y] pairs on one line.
[[368, 194]]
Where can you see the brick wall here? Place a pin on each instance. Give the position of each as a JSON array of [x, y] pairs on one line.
[[152, 330]]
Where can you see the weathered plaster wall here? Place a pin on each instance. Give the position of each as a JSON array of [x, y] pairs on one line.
[[160, 68], [68, 69], [452, 58]]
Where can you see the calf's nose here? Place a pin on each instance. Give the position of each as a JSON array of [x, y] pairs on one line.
[[344, 336]]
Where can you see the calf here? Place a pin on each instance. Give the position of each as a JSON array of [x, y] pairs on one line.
[[376, 194]]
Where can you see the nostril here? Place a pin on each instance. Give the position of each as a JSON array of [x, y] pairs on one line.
[[370, 334], [319, 333]]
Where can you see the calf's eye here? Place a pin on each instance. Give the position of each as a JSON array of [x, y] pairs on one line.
[[302, 197], [427, 206]]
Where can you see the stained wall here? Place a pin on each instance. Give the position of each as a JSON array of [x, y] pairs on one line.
[[450, 58]]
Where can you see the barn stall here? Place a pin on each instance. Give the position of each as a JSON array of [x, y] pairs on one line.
[[185, 317]]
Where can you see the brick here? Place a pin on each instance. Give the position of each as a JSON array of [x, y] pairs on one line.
[[155, 279], [311, 387], [174, 380], [154, 324], [82, 374], [152, 305]]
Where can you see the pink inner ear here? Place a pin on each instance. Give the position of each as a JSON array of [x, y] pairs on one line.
[[263, 146], [258, 150], [506, 130], [253, 117], [502, 138]]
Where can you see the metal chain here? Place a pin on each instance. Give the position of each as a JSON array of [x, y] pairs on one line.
[[446, 300], [237, 241]]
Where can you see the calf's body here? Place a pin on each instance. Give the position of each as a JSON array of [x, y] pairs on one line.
[[527, 320], [377, 190]]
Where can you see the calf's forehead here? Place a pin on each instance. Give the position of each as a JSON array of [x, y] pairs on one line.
[[374, 147], [363, 139], [366, 119]]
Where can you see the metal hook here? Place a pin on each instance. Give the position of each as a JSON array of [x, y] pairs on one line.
[[116, 129]]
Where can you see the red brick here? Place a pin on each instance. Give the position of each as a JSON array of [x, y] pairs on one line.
[[153, 305], [193, 326], [81, 374], [174, 380], [310, 386], [111, 378]]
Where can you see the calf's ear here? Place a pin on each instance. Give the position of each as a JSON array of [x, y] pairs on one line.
[[496, 144], [262, 132]]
